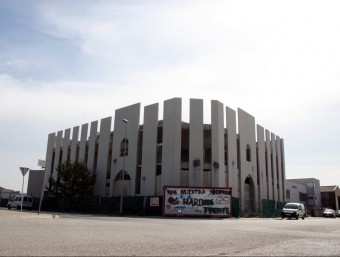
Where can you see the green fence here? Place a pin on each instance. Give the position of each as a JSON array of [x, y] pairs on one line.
[[132, 205], [271, 208], [235, 209]]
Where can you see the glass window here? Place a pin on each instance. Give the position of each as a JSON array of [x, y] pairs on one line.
[[124, 147]]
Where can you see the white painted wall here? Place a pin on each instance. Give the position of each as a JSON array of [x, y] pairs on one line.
[[49, 158], [217, 144], [274, 168], [83, 141], [196, 142], [269, 166], [171, 152], [130, 130], [65, 145], [58, 145], [261, 164], [74, 144], [247, 137], [103, 156], [92, 146], [233, 171], [149, 152]]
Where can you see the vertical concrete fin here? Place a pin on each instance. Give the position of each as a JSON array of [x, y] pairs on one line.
[[196, 161], [149, 152]]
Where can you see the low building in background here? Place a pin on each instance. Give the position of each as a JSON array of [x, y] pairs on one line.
[[35, 182], [5, 194], [330, 197], [306, 191]]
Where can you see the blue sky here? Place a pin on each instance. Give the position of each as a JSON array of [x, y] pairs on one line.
[[65, 63]]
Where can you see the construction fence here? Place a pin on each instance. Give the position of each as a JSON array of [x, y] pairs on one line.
[[134, 205]]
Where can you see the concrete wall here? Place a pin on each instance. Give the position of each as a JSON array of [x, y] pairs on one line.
[[66, 145], [35, 182], [261, 164], [74, 145], [103, 160], [269, 166], [247, 168], [218, 170], [171, 151], [149, 152], [295, 190], [312, 186], [196, 142], [233, 171], [92, 147], [129, 130], [284, 186], [279, 169], [49, 157], [57, 157], [274, 167], [83, 142]]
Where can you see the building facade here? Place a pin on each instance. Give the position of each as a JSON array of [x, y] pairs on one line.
[[141, 158], [330, 197], [35, 182], [306, 191]]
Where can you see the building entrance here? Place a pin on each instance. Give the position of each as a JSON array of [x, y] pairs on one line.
[[249, 196]]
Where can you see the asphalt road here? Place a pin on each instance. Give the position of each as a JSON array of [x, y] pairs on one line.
[[26, 233]]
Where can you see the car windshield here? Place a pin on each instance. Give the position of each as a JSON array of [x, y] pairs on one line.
[[291, 206], [328, 210]]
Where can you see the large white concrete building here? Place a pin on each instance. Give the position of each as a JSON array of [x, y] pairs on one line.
[[167, 151]]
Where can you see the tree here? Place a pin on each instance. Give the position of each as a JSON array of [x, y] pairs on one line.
[[73, 179]]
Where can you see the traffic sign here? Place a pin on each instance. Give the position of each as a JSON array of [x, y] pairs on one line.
[[24, 170]]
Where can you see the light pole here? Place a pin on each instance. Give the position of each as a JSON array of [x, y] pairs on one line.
[[123, 171], [23, 171], [43, 165]]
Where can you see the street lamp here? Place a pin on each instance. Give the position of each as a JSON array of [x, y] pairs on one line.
[[123, 171], [23, 172], [42, 164]]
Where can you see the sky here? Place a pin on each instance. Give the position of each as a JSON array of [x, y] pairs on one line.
[[65, 63]]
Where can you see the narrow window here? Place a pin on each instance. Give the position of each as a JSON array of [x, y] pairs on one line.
[[124, 147], [248, 153]]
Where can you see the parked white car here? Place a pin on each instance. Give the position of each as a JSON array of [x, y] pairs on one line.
[[293, 210], [15, 202]]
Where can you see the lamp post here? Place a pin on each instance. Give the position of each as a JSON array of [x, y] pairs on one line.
[[23, 171], [43, 165], [123, 171]]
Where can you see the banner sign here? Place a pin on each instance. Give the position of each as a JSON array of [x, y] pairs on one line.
[[197, 201]]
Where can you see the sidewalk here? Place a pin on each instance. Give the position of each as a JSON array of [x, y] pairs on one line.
[[5, 213]]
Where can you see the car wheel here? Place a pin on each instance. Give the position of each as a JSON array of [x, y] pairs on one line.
[[297, 216], [9, 207], [303, 217]]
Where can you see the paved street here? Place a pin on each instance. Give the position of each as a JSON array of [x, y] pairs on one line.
[[70, 234]]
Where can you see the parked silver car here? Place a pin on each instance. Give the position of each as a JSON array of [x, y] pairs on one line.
[[329, 213]]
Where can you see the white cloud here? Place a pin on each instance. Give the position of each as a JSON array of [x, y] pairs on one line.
[[276, 60]]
